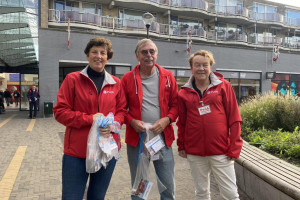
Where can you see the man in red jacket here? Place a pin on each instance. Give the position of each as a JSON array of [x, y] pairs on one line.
[[209, 127], [151, 94]]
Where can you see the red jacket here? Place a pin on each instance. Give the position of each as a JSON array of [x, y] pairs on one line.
[[132, 84], [78, 101], [215, 133]]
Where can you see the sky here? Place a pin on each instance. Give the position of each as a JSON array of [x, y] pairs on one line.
[[288, 2]]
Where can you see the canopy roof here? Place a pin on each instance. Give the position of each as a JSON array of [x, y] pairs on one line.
[[17, 34]]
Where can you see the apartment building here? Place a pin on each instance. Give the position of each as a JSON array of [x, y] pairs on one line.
[[256, 43]]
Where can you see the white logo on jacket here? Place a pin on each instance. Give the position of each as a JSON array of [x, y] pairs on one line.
[[209, 92], [108, 92]]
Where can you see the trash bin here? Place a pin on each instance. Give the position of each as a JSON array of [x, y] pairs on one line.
[[48, 106]]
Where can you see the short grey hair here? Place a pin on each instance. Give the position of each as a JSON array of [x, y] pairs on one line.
[[143, 42]]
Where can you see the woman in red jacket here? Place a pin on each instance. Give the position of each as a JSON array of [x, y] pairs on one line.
[[82, 97], [209, 127]]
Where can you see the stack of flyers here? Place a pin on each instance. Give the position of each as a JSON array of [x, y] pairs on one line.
[[143, 189], [154, 145]]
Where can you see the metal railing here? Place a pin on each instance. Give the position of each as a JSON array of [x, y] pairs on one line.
[[61, 16], [198, 4], [228, 10], [268, 17]]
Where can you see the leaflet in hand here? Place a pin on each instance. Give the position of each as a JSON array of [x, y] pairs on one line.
[[154, 145]]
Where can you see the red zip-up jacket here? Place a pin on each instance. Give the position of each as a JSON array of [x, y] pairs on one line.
[[78, 101], [132, 84], [215, 133]]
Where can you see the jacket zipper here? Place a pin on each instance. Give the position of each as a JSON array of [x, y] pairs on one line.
[[70, 137]]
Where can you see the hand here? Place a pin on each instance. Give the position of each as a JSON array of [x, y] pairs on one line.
[[96, 115], [160, 125], [105, 132], [182, 154], [138, 125]]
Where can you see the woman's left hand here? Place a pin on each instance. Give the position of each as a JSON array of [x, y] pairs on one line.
[[105, 131]]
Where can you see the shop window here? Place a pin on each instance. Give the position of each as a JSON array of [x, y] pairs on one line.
[[244, 84], [286, 84]]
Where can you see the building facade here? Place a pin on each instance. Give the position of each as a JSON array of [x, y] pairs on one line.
[[256, 43]]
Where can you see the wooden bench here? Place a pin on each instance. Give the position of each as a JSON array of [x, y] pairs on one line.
[[263, 176]]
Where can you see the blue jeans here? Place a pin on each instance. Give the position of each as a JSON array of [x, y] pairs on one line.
[[7, 100], [164, 169], [74, 179]]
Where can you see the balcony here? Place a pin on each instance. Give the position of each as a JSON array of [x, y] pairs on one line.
[[228, 10], [196, 4], [268, 17], [136, 26], [293, 21]]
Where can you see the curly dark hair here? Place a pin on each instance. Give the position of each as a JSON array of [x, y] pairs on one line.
[[99, 41]]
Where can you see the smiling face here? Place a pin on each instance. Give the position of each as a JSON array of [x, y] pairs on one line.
[[97, 58], [147, 55], [201, 68]]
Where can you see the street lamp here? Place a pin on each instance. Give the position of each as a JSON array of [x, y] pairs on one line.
[[148, 19]]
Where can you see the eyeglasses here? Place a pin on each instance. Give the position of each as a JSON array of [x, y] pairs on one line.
[[145, 52]]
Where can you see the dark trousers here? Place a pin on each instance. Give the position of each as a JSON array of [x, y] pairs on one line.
[[74, 179], [32, 105]]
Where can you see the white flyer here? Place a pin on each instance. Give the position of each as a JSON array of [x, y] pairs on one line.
[[154, 145]]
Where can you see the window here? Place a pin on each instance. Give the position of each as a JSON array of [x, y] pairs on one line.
[[72, 5], [264, 12], [286, 84], [292, 17], [244, 84], [233, 7]]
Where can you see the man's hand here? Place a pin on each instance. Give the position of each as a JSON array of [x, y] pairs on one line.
[[138, 125], [160, 125], [182, 154]]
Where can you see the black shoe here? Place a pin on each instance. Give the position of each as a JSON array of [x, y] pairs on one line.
[[29, 117], [33, 118]]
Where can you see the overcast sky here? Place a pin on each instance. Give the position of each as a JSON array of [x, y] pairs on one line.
[[288, 2]]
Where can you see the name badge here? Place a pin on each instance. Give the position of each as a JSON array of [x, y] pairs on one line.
[[204, 110]]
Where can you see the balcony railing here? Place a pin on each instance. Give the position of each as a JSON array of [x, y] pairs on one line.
[[61, 16], [228, 10], [260, 39], [198, 4], [293, 21], [161, 2], [270, 17]]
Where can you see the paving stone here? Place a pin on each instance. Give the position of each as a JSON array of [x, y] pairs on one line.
[[40, 173]]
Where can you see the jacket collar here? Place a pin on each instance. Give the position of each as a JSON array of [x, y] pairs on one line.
[[108, 79]]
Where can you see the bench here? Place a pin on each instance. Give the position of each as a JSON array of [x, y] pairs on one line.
[[265, 177]]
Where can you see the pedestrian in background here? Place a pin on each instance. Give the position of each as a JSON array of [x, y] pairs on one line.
[[209, 127], [33, 97], [84, 96], [16, 95], [151, 94], [7, 96]]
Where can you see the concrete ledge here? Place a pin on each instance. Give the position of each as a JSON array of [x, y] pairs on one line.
[[263, 176]]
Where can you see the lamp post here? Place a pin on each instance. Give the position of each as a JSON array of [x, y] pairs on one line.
[[148, 19]]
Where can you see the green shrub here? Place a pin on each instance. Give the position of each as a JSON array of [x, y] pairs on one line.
[[270, 111], [271, 122], [281, 143]]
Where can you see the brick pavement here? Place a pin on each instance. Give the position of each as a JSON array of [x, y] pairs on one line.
[[40, 173]]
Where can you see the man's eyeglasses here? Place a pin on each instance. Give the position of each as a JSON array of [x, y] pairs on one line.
[[145, 52]]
